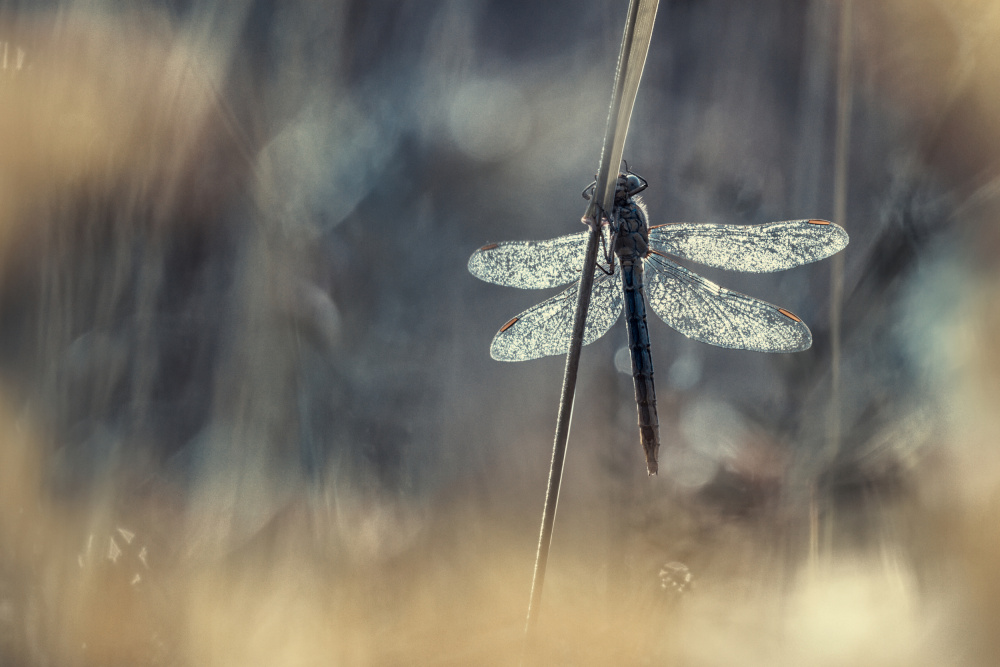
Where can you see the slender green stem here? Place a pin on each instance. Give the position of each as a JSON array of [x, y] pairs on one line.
[[631, 61], [562, 432]]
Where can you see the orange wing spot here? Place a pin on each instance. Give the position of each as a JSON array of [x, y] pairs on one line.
[[489, 246], [790, 315], [512, 322], [819, 222]]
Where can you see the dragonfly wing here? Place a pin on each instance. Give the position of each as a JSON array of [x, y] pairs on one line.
[[545, 329], [531, 264], [700, 309], [774, 246]]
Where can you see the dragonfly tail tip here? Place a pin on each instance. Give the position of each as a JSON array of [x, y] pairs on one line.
[[651, 446]]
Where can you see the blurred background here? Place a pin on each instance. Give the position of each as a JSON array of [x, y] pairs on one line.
[[248, 411]]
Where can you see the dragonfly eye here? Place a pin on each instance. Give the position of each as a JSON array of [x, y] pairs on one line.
[[632, 183]]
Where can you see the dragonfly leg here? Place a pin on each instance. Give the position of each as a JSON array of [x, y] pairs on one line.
[[609, 254]]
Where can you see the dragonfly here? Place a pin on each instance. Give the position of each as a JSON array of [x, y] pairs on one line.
[[646, 270]]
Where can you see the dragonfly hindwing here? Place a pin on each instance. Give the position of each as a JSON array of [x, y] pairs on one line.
[[700, 309], [545, 329]]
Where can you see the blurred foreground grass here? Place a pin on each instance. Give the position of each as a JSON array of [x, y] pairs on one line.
[[142, 566]]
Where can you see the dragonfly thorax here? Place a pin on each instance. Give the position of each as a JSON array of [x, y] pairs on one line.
[[627, 186], [632, 232]]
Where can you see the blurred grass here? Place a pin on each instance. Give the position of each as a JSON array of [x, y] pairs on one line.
[[130, 537]]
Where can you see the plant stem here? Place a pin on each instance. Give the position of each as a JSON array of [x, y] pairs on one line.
[[631, 61]]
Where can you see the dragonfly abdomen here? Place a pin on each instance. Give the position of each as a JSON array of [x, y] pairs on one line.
[[642, 361]]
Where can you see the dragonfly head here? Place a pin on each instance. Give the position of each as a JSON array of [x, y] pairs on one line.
[[629, 185]]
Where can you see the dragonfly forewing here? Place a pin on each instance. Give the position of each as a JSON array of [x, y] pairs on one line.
[[704, 311], [545, 329], [774, 246], [531, 264]]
